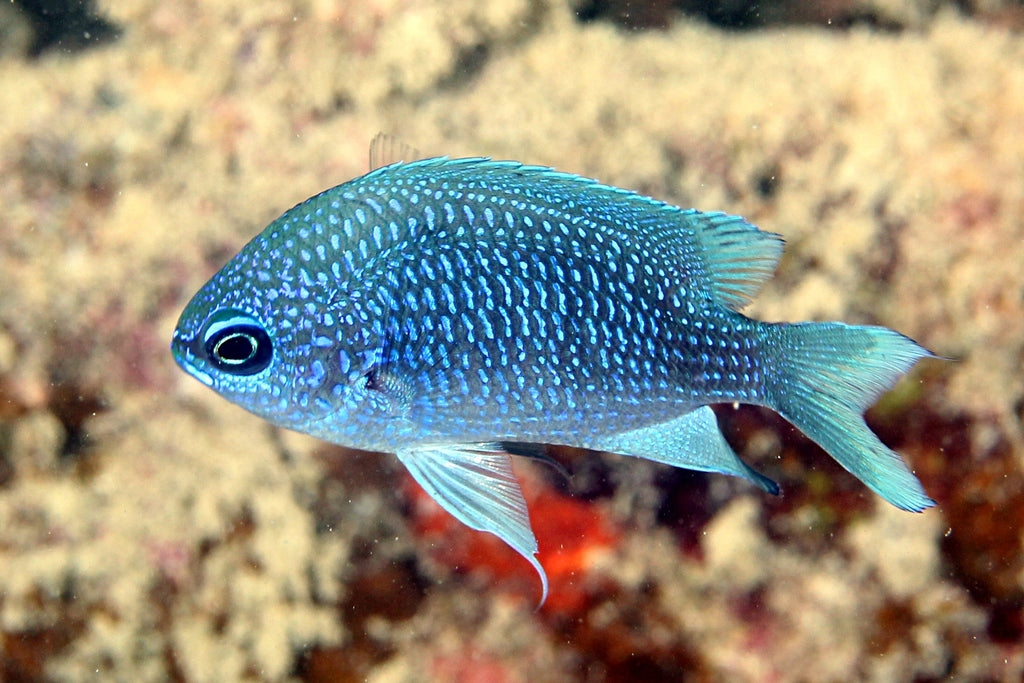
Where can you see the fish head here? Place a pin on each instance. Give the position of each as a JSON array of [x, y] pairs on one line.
[[254, 334]]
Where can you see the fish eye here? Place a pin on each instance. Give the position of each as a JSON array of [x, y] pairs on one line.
[[237, 343]]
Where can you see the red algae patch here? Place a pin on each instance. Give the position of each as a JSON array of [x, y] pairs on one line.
[[574, 537]]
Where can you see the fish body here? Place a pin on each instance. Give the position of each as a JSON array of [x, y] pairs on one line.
[[454, 311]]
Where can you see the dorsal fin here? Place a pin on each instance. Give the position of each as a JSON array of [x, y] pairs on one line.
[[723, 255], [739, 257], [387, 149]]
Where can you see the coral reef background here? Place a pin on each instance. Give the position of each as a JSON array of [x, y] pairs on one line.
[[151, 531]]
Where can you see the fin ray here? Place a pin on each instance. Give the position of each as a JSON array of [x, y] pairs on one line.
[[387, 149], [829, 373], [692, 441], [531, 451], [739, 257], [477, 486]]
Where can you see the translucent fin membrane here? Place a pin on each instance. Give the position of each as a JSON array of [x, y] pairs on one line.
[[829, 373], [480, 490]]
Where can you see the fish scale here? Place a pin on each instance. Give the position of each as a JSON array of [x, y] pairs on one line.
[[489, 315], [455, 311]]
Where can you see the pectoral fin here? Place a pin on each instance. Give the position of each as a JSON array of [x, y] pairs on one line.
[[692, 441], [477, 486]]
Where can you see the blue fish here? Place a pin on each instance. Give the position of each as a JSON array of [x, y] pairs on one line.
[[459, 311]]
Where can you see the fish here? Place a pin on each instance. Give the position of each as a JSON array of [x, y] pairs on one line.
[[460, 311]]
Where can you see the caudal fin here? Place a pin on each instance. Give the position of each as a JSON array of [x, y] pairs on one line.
[[826, 375]]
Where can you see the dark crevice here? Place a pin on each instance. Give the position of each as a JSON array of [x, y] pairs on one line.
[[74, 406], [736, 15], [67, 26], [622, 650], [392, 592], [981, 550], [653, 14], [469, 62], [472, 58], [766, 182]]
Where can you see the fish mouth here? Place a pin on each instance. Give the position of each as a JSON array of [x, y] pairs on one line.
[[186, 359]]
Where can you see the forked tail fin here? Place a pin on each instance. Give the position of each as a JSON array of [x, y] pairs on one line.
[[826, 375]]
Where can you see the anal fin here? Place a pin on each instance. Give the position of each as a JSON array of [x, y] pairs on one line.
[[477, 486], [692, 441]]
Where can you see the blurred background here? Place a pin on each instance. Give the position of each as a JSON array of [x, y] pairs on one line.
[[150, 531]]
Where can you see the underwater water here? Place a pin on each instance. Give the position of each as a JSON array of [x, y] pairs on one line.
[[151, 530]]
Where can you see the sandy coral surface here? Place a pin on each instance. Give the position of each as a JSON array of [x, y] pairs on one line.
[[150, 531]]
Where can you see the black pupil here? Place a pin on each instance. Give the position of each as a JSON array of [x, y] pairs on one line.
[[240, 349], [235, 348]]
